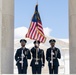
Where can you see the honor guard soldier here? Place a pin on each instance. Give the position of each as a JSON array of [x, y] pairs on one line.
[[52, 56], [38, 58], [21, 56]]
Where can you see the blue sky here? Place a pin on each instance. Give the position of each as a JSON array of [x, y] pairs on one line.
[[54, 15]]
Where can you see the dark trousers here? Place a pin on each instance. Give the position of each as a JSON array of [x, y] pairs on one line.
[[36, 69], [22, 70], [54, 70]]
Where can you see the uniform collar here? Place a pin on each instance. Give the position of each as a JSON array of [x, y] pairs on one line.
[[23, 48], [53, 48], [38, 49]]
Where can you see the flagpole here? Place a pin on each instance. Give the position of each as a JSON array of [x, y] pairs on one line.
[[37, 1]]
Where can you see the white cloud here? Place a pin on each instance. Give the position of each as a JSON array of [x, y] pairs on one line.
[[47, 31], [20, 32]]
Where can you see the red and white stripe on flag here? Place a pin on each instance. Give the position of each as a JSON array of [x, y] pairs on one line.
[[35, 32]]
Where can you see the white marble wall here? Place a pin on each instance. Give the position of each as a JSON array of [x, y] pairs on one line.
[[6, 36]]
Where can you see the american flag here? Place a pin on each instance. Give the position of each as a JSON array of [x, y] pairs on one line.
[[35, 31]]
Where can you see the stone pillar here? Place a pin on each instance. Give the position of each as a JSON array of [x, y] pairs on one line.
[[72, 35], [0, 31], [6, 36]]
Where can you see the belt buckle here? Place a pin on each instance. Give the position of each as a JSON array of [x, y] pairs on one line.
[[36, 62]]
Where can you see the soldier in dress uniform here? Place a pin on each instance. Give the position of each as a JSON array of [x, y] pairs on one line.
[[21, 56], [52, 56], [38, 58]]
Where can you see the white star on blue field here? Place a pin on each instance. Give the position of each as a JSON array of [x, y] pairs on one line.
[[53, 13]]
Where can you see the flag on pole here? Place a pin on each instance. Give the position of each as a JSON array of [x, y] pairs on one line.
[[35, 31]]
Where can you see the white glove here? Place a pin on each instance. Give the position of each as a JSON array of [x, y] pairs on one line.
[[51, 61], [21, 62]]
